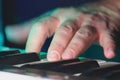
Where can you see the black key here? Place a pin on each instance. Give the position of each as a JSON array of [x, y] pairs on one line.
[[105, 73], [77, 67], [84, 77], [4, 53], [115, 75], [69, 68], [18, 58], [48, 65]]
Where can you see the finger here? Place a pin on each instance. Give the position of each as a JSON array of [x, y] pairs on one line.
[[61, 39], [39, 32], [108, 44], [83, 38]]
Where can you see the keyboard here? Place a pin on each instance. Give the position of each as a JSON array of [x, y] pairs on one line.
[[18, 65]]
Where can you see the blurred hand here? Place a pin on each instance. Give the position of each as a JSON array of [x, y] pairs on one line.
[[74, 30]]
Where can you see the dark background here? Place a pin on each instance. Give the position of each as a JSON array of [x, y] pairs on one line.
[[22, 10]]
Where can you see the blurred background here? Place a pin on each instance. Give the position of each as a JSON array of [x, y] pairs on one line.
[[19, 11]]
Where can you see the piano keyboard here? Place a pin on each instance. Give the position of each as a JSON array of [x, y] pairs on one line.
[[30, 66]]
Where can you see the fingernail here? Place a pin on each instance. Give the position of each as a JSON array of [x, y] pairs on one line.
[[67, 55], [111, 53], [53, 56]]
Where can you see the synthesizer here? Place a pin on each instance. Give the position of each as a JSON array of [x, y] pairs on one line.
[[18, 65]]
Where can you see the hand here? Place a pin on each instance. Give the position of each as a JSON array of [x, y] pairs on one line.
[[74, 31]]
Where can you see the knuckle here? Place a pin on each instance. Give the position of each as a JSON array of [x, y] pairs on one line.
[[86, 32], [110, 23], [81, 35], [47, 21], [47, 26], [102, 18], [90, 29], [70, 27], [57, 46]]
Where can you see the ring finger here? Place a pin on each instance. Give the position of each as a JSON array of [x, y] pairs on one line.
[[83, 38]]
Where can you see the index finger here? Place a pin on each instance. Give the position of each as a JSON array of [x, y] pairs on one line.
[[39, 32]]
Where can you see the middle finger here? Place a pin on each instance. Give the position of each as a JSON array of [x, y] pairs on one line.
[[61, 39]]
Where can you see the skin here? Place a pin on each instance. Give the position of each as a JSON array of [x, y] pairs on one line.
[[75, 29]]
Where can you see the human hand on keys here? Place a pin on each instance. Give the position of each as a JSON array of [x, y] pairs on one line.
[[74, 30]]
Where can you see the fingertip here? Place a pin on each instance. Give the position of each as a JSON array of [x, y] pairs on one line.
[[109, 53], [108, 43], [68, 54], [53, 56]]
